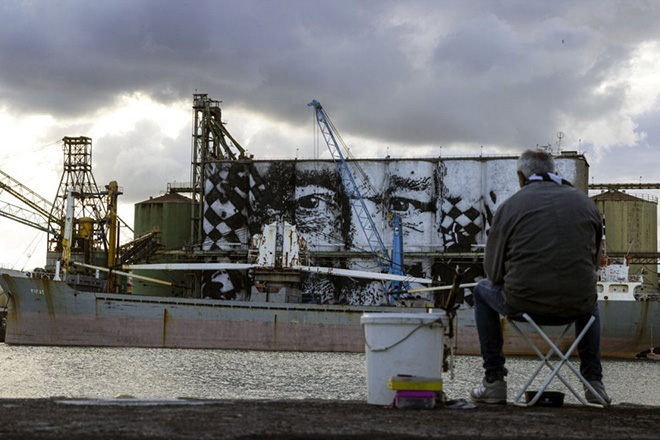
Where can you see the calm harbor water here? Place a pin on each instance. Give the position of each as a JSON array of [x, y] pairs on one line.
[[101, 373]]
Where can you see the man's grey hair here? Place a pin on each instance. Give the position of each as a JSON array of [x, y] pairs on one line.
[[535, 162]]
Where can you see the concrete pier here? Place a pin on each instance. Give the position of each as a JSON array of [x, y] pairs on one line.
[[59, 418]]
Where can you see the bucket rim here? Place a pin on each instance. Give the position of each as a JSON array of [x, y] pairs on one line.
[[403, 318]]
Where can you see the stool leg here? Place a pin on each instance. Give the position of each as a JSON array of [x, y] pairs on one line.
[[564, 357], [555, 369], [584, 381], [516, 400], [544, 360]]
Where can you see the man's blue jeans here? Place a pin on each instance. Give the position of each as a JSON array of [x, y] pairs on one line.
[[489, 304]]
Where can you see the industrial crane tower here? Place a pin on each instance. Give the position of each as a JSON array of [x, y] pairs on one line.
[[89, 209], [211, 141]]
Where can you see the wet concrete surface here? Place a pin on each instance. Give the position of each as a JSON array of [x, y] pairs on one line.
[[312, 419]]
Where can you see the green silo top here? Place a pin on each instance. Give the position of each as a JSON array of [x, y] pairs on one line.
[[616, 196], [168, 198]]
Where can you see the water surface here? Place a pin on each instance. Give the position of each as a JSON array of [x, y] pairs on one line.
[[99, 373]]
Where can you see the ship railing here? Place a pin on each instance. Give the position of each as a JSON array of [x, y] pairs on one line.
[[179, 187], [40, 274]]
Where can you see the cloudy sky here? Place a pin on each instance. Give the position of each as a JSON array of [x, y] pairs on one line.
[[408, 79]]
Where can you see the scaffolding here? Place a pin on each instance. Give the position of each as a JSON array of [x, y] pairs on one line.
[[78, 178]]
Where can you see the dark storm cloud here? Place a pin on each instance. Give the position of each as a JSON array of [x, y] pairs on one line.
[[423, 72], [73, 57], [70, 57]]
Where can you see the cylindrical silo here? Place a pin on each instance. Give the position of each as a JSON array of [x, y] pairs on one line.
[[170, 214], [631, 227]]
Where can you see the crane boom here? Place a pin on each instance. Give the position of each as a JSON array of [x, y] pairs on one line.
[[25, 194], [37, 214], [365, 220], [27, 217]]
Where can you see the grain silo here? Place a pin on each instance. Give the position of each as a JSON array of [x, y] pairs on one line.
[[169, 214], [631, 227]]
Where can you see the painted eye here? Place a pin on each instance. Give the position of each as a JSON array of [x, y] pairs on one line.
[[309, 202], [400, 204]]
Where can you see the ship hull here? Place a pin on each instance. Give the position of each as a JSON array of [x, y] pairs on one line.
[[44, 312]]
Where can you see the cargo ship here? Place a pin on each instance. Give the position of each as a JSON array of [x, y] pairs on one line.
[[48, 312]]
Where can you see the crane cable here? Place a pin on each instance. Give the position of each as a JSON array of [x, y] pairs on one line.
[[29, 249], [35, 150]]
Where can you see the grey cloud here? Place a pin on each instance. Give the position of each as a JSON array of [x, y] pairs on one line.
[[141, 162], [484, 44], [499, 73]]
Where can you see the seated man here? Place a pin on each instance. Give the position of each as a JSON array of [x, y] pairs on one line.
[[542, 258]]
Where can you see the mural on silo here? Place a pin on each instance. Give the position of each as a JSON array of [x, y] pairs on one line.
[[226, 206], [225, 225], [445, 206], [460, 214], [320, 206]]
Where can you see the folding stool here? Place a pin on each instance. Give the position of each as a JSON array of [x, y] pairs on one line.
[[541, 321]]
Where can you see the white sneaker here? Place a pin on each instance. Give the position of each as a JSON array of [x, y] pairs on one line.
[[490, 392]]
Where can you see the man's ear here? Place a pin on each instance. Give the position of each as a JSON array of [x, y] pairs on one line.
[[521, 179]]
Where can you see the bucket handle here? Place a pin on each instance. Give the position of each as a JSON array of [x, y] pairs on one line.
[[376, 350]]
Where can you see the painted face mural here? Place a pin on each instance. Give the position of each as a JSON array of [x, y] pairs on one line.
[[369, 180], [401, 188], [410, 194], [320, 207], [272, 186], [445, 206], [322, 215]]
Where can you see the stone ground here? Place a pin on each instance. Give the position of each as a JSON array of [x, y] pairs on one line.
[[313, 419]]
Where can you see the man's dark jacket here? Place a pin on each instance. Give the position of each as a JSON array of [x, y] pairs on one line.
[[544, 247]]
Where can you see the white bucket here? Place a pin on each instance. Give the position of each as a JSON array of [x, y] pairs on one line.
[[401, 344]]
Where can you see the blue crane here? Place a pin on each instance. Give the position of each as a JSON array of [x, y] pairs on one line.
[[392, 265]]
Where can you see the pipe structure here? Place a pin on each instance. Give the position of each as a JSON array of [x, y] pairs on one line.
[[126, 274]]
